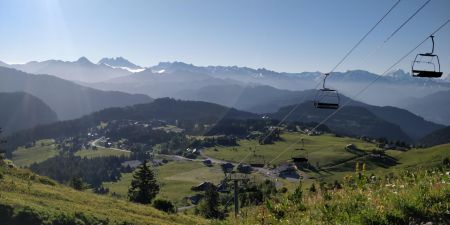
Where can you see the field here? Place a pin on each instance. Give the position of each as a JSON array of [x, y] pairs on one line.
[[323, 150], [45, 149], [41, 151], [24, 195], [176, 180]]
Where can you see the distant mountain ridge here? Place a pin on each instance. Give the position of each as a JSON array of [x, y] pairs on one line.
[[68, 99], [438, 137], [434, 107], [120, 62], [266, 99], [161, 109], [351, 121], [81, 70], [389, 90], [20, 111]]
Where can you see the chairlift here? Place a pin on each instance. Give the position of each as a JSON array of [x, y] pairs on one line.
[[326, 98], [426, 64], [299, 158]]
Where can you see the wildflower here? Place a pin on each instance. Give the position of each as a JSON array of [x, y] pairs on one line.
[[447, 173], [402, 186]]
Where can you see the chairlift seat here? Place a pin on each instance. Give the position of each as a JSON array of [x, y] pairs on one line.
[[428, 54], [322, 105], [425, 73]]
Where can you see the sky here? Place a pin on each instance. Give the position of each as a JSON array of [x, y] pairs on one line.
[[289, 35]]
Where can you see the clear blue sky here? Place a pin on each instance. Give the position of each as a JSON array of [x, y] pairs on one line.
[[290, 36]]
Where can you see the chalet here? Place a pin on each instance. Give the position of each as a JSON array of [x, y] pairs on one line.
[[300, 162], [227, 167], [287, 170], [244, 168]]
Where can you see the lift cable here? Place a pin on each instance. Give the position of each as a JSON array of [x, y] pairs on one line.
[[365, 88], [340, 62], [404, 23], [364, 37]]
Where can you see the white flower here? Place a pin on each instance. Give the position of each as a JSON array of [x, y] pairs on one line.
[[448, 173], [402, 186]]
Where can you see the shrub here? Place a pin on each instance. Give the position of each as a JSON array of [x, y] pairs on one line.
[[6, 213], [28, 216], [164, 205]]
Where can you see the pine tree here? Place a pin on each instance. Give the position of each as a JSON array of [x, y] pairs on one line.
[[143, 186], [209, 206]]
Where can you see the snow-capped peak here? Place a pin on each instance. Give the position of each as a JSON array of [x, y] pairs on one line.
[[120, 62]]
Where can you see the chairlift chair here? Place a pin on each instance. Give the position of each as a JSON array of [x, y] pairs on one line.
[[426, 64], [326, 98]]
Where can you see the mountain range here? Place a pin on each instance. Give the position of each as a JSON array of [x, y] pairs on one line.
[[68, 99], [437, 137], [161, 109], [120, 62], [351, 121], [256, 90], [435, 107], [81, 70], [266, 99], [178, 79]]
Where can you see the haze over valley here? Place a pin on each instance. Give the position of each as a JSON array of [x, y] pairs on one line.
[[224, 112]]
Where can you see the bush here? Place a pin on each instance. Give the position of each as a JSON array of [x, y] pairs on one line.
[[164, 205], [28, 216], [6, 213]]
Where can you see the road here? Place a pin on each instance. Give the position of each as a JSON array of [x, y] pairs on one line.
[[94, 143]]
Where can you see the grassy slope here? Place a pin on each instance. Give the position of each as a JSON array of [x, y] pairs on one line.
[[43, 150], [18, 191], [176, 179], [425, 158], [100, 152], [418, 196], [325, 149]]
